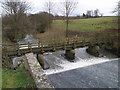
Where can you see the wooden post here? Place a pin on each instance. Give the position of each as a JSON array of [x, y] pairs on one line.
[[65, 45], [42, 51], [38, 44], [67, 40], [18, 49], [54, 48], [29, 47], [74, 43]]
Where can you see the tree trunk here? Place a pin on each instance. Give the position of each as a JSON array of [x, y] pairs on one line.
[[67, 22]]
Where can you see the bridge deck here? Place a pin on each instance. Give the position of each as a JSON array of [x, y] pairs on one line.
[[53, 46]]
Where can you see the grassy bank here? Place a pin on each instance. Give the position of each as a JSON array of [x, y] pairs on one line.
[[89, 25], [92, 29], [16, 79], [84, 28]]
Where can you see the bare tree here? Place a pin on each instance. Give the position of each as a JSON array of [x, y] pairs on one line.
[[17, 18], [49, 6], [15, 7], [68, 8], [117, 9]]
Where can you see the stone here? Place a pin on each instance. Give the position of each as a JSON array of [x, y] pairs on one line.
[[70, 55], [94, 50], [46, 65], [40, 59], [42, 62], [36, 71]]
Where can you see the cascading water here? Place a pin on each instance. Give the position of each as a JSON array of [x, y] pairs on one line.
[[59, 64], [86, 71], [28, 39]]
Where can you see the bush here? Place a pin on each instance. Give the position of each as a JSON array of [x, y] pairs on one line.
[[41, 21], [42, 28], [16, 27]]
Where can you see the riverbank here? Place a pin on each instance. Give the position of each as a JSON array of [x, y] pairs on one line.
[[103, 29], [18, 78]]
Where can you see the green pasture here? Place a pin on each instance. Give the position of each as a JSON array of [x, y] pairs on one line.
[[16, 78], [89, 25]]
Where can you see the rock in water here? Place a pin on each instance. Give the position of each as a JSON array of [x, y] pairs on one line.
[[94, 50], [70, 55]]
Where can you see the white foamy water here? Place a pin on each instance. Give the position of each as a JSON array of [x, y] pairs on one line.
[[59, 64], [29, 39], [57, 61]]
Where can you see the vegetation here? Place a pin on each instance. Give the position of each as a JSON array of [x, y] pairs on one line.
[[90, 25], [16, 78], [117, 9], [81, 27], [15, 22], [41, 21], [92, 29], [68, 8]]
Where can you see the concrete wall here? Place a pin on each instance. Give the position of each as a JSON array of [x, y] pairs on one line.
[[35, 69]]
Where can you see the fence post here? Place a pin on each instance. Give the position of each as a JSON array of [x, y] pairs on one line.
[[74, 43], [29, 47], [67, 40], [54, 45], [42, 51], [65, 45], [38, 44], [18, 49], [5, 53]]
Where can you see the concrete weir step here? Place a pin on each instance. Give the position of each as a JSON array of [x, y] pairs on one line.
[[35, 69]]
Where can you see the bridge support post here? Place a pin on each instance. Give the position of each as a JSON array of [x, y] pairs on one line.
[[42, 62], [94, 50], [70, 55], [40, 59], [36, 71]]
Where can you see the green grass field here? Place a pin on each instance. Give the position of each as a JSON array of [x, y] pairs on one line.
[[89, 25], [84, 28], [16, 79]]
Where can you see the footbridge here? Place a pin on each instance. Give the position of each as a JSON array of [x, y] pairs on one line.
[[44, 46], [35, 65]]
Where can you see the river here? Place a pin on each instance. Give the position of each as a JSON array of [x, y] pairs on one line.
[[86, 71], [59, 64]]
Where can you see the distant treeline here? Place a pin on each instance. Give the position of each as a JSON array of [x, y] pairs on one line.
[[72, 17]]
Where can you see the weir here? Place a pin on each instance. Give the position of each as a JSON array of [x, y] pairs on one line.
[[32, 65], [39, 48]]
